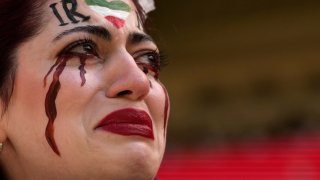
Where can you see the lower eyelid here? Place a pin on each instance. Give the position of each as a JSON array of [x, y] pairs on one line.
[[77, 44]]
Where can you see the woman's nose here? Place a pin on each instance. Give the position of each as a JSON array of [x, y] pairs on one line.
[[126, 79]]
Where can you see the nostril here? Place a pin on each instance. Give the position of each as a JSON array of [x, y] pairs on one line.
[[125, 92]]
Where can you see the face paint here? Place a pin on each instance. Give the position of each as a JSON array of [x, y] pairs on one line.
[[70, 11], [114, 11], [146, 67], [82, 71], [57, 14], [50, 105]]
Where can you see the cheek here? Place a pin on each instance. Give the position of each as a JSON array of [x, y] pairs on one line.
[[166, 107], [72, 104], [77, 104], [158, 104], [73, 98], [29, 94], [26, 113]]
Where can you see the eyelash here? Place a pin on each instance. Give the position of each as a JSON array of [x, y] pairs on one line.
[[155, 60], [86, 41]]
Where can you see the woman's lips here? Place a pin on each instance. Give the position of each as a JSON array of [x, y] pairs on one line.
[[128, 122]]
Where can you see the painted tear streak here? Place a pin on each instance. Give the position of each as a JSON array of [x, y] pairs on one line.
[[114, 11], [50, 101]]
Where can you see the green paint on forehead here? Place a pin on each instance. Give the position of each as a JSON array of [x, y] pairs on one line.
[[114, 5]]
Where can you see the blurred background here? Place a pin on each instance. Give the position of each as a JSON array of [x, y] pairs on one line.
[[239, 71]]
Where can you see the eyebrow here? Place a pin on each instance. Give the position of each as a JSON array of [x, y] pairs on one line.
[[135, 38], [95, 30]]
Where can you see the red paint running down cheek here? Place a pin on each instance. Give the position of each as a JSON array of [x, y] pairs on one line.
[[50, 105], [117, 22], [82, 70], [166, 108], [145, 68]]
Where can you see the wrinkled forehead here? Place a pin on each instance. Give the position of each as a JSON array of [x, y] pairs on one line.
[[116, 14]]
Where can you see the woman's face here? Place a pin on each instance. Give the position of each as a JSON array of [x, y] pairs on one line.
[[87, 102]]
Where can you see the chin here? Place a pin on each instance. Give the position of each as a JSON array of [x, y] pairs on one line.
[[123, 157], [142, 162], [141, 172]]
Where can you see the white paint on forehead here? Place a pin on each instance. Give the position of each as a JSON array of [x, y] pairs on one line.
[[110, 12], [147, 5]]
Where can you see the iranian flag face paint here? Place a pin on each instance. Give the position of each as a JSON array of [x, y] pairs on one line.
[[115, 11]]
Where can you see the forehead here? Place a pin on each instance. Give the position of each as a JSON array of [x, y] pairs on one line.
[[115, 15]]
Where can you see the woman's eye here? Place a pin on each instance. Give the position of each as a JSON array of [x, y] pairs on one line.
[[149, 62], [87, 48], [82, 47]]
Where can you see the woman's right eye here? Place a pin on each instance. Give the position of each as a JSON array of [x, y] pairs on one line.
[[84, 48], [81, 47]]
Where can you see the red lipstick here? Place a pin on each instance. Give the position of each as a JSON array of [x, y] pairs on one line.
[[128, 122]]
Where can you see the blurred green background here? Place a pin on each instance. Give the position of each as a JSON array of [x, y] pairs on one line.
[[239, 69]]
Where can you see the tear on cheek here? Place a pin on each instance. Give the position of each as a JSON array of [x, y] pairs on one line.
[[50, 104], [82, 71]]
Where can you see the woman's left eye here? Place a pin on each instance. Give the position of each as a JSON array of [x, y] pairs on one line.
[[149, 62]]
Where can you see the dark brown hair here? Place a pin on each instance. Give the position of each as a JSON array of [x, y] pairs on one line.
[[140, 12], [20, 20]]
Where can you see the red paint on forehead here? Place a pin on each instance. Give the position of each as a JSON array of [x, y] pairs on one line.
[[117, 22]]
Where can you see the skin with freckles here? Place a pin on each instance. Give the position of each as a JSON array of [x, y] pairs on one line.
[[69, 77]]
